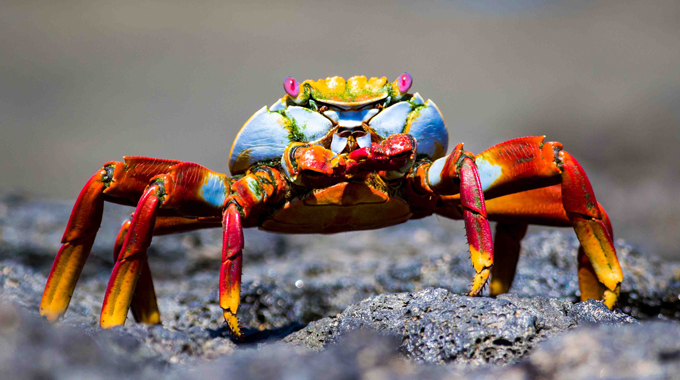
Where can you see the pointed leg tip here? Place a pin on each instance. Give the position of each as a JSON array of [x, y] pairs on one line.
[[107, 321], [497, 287], [479, 281], [233, 324], [611, 297], [49, 314]]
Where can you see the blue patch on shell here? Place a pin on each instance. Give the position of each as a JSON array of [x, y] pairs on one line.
[[421, 120], [428, 128], [307, 125], [391, 120], [267, 133]]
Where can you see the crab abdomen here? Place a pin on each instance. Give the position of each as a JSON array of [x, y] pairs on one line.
[[347, 206]]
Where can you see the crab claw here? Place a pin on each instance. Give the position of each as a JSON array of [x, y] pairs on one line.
[[314, 158], [393, 153]]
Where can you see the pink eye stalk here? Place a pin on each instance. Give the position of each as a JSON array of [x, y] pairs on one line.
[[291, 86], [404, 82]]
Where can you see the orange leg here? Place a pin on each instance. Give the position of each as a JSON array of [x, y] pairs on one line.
[[144, 306], [132, 258], [185, 186], [507, 244], [526, 166], [116, 181], [585, 215], [539, 206]]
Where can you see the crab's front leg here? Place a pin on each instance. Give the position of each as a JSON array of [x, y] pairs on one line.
[[458, 173], [259, 187]]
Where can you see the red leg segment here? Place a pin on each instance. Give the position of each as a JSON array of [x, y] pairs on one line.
[[458, 173], [583, 212], [476, 224], [230, 271], [76, 245], [144, 305], [132, 258]]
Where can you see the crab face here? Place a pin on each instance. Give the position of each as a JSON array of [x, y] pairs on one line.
[[341, 115]]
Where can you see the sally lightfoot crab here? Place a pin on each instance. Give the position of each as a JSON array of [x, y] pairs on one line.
[[337, 155]]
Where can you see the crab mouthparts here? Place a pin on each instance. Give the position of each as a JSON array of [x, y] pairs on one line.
[[350, 129], [354, 138]]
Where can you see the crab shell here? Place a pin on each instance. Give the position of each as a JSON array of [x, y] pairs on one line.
[[270, 130]]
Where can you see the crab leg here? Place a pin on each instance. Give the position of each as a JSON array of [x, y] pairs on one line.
[[230, 270], [258, 187], [539, 206], [441, 178], [476, 224], [184, 183], [528, 167], [144, 306], [507, 244], [76, 245], [116, 181], [132, 258], [588, 221]]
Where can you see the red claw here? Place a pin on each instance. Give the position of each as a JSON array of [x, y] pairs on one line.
[[390, 154]]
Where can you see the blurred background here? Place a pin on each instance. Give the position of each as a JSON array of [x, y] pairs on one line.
[[85, 82]]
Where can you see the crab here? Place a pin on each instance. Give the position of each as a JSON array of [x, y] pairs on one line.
[[337, 155]]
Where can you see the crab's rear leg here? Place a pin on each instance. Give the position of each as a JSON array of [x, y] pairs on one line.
[[116, 181], [585, 215], [521, 171], [144, 306], [186, 188], [507, 244], [458, 173], [514, 212]]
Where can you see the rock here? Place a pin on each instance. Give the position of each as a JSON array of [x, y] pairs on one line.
[[645, 351], [435, 326], [293, 281]]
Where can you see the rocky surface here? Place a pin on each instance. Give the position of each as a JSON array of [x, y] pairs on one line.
[[335, 286], [438, 327]]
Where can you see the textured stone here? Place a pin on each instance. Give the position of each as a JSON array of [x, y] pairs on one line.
[[334, 284], [436, 326]]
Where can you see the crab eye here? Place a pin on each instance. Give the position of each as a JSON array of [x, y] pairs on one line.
[[291, 86], [404, 82]]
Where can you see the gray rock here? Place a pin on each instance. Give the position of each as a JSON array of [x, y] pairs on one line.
[[645, 351], [435, 326], [651, 350], [292, 281]]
